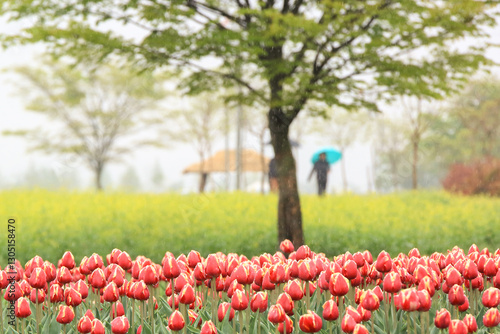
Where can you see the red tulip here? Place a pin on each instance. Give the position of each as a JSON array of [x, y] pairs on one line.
[[304, 252], [65, 315], [350, 269], [370, 301], [38, 278], [307, 270], [120, 325], [56, 293], [82, 288], [339, 285], [94, 262], [111, 293], [124, 261], [453, 277], [97, 327], [360, 329], [72, 297], [465, 306], [490, 268], [13, 292], [384, 262], [425, 300], [41, 296], [456, 296], [239, 300], [294, 289], [208, 328], [286, 246], [330, 310], [470, 270], [310, 322], [176, 321], [22, 308], [245, 274], [223, 310], [97, 279], [471, 323], [289, 326], [353, 313], [286, 302], [409, 300], [117, 309], [363, 313], [442, 319], [149, 275], [491, 297], [392, 282], [68, 260], [259, 302], [457, 327], [84, 325], [348, 324], [63, 275], [140, 290], [276, 314], [491, 318], [212, 268]]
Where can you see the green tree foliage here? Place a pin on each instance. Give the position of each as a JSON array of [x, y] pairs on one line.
[[98, 115], [284, 54]]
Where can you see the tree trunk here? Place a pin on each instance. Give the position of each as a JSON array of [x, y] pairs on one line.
[[98, 176], [414, 176], [289, 212], [203, 182]]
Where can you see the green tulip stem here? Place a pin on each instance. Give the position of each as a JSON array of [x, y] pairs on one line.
[[143, 306], [386, 312], [308, 301], [64, 328], [240, 320], [22, 325], [151, 309], [185, 315], [1, 312], [258, 322], [394, 313]]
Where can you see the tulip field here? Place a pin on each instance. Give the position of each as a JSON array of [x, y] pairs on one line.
[[286, 292], [86, 223]]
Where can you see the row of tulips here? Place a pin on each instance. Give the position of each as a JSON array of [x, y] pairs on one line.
[[288, 292]]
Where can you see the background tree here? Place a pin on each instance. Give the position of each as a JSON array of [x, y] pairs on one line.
[[282, 53], [157, 177], [130, 181], [200, 123], [97, 114]]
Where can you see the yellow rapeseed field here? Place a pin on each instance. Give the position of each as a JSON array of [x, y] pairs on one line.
[[48, 223]]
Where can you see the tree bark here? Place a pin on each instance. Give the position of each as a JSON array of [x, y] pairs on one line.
[[289, 212], [414, 165], [203, 182], [98, 176]]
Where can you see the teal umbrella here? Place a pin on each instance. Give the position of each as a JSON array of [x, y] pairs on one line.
[[332, 155]]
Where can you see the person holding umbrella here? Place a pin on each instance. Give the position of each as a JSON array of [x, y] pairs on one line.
[[322, 160]]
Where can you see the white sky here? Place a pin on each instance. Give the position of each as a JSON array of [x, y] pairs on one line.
[[15, 159]]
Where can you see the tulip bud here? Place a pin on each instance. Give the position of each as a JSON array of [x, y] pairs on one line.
[[259, 302], [149, 275], [63, 275], [117, 309], [187, 295], [471, 323], [339, 285], [370, 301], [457, 327], [289, 326], [456, 296], [65, 315], [330, 310], [110, 293], [348, 324], [38, 278], [176, 321], [94, 262], [294, 289], [208, 328], [72, 297], [307, 270], [491, 318], [120, 325], [276, 314], [409, 300], [22, 308], [56, 293], [212, 268], [239, 300], [425, 300], [310, 322], [491, 297], [304, 252], [18, 292], [442, 319], [384, 262], [286, 302], [68, 260], [97, 327], [84, 325], [223, 310], [286, 246]]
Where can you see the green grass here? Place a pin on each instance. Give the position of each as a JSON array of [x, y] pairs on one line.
[[49, 223]]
